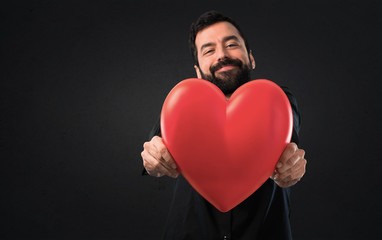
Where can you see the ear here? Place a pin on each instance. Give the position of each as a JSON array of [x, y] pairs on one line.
[[197, 70], [252, 59]]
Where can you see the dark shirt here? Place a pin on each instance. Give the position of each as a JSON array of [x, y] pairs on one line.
[[263, 215]]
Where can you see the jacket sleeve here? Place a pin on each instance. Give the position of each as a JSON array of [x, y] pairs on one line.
[[296, 115]]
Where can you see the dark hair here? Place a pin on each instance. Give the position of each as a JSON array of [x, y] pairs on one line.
[[207, 19]]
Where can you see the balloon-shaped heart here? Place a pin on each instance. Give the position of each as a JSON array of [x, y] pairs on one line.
[[226, 148]]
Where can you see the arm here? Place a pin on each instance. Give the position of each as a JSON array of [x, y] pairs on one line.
[[157, 161], [292, 163]]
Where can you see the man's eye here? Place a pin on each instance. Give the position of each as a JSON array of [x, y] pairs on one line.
[[232, 45], [209, 51]]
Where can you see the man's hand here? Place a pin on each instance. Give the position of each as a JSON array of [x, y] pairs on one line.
[[290, 167], [157, 160]]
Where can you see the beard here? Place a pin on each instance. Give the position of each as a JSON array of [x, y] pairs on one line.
[[230, 80]]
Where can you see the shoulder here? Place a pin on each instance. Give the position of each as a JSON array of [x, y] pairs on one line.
[[290, 95]]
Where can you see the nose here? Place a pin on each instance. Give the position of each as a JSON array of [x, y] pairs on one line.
[[221, 53]]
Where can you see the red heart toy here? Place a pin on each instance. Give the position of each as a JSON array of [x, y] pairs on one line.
[[226, 149]]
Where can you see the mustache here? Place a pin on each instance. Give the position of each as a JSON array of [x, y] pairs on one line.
[[226, 61]]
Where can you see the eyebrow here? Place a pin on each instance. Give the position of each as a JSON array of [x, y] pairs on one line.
[[225, 39]]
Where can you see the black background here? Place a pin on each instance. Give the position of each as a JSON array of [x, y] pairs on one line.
[[82, 82]]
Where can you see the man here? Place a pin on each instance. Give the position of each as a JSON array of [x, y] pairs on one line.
[[222, 56]]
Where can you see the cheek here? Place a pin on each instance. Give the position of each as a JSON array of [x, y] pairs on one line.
[[205, 67], [246, 59]]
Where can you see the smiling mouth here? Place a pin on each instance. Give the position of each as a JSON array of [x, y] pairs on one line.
[[226, 68]]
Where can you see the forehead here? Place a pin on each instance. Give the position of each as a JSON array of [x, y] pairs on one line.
[[216, 33]]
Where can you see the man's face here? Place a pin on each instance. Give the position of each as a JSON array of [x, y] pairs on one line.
[[222, 56]]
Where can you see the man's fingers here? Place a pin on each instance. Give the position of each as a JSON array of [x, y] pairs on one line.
[[288, 164], [155, 167], [153, 161], [291, 166], [285, 164], [294, 173], [162, 153], [156, 147], [289, 150], [168, 159]]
